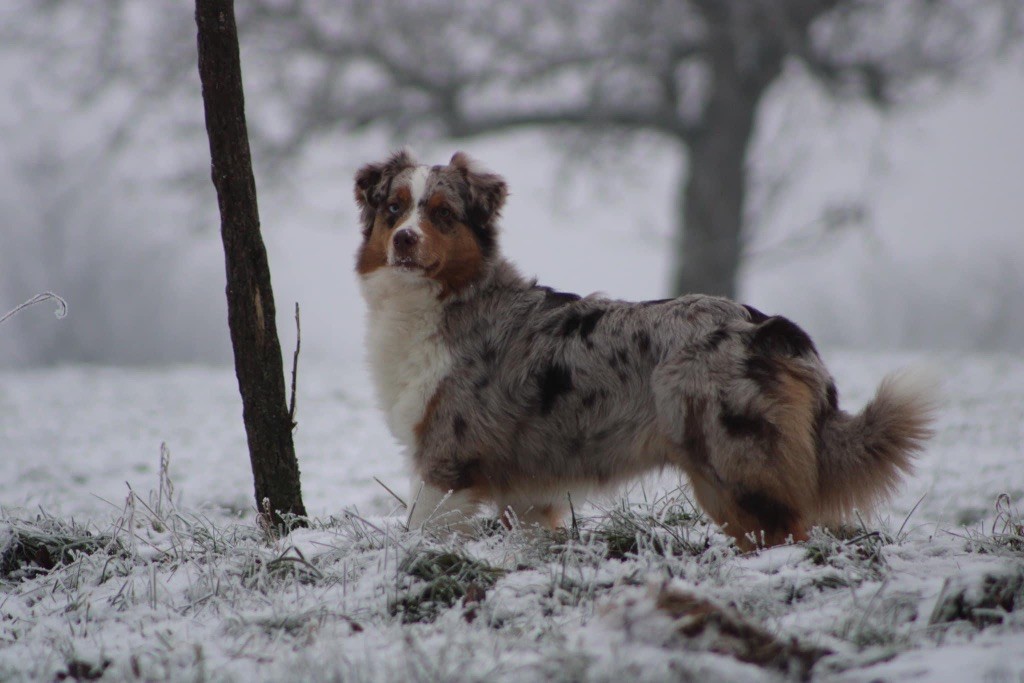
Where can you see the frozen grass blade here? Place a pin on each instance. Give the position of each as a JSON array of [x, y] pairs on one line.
[[394, 495]]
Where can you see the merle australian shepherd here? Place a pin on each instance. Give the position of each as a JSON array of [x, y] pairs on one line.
[[506, 392]]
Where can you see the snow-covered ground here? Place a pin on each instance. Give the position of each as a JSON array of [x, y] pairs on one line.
[[182, 586]]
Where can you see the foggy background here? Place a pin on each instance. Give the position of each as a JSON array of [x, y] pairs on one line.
[[892, 225]]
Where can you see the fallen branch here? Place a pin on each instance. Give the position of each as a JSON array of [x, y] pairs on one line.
[[725, 631]]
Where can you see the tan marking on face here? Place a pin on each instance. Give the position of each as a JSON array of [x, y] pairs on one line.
[[455, 255], [437, 201], [373, 253], [402, 195]]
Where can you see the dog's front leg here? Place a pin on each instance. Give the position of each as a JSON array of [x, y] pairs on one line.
[[434, 508]]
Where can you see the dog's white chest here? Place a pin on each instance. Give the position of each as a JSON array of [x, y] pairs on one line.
[[408, 358]]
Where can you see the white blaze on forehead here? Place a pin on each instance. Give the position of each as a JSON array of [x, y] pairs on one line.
[[417, 186]]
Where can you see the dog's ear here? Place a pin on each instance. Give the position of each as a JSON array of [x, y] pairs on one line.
[[487, 191], [373, 182]]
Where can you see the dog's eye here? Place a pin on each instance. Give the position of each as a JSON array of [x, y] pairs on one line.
[[444, 213], [394, 207]]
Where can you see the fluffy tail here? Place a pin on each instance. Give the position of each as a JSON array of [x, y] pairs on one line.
[[862, 457]]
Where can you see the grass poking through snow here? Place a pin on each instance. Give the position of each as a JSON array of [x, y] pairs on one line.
[[440, 578], [648, 590]]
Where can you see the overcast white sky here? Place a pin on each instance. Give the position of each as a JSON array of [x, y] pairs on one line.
[[943, 185]]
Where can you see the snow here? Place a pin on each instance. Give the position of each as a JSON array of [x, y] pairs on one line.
[[185, 587], [192, 589]]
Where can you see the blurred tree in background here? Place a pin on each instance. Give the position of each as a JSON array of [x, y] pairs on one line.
[[694, 73]]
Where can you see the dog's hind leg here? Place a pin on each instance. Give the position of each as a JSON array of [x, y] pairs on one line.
[[744, 489], [748, 451], [752, 518]]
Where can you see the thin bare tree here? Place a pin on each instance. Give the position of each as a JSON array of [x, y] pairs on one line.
[[251, 313]]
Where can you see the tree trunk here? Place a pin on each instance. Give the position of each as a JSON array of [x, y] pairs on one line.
[[251, 314], [711, 199]]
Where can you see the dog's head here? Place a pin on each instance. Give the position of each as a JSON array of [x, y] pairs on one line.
[[439, 222]]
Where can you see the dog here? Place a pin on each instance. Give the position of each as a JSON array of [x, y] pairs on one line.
[[507, 392]]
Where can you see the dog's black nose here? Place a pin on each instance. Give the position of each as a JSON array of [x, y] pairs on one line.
[[405, 240]]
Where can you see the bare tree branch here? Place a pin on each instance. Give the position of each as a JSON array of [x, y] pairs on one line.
[[62, 305]]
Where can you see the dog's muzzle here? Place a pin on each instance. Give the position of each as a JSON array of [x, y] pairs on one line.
[[405, 242]]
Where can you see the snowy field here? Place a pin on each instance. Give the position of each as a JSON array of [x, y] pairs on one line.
[[115, 568]]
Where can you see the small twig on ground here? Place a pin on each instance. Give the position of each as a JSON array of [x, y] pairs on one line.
[[376, 528], [62, 305], [909, 515], [857, 539], [265, 518], [574, 527], [166, 489], [394, 495], [412, 508], [295, 365], [299, 559]]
